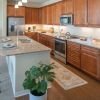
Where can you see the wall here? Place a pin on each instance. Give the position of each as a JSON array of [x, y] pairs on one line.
[[3, 29], [81, 31]]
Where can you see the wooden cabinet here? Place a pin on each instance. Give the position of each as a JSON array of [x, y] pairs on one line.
[[31, 15], [42, 39], [47, 40], [28, 15], [73, 54], [94, 12], [50, 42], [67, 7], [20, 11], [44, 15], [35, 15], [49, 15], [58, 8], [80, 12], [90, 61], [32, 35], [86, 12], [11, 11]]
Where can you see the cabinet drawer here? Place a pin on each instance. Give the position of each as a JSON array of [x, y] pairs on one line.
[[73, 45], [90, 50]]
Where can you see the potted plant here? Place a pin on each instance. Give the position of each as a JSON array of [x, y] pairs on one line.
[[37, 79]]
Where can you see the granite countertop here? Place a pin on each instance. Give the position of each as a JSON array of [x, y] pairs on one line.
[[23, 45], [89, 43], [49, 34]]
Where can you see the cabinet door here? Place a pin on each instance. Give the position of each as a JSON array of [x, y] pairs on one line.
[[67, 7], [50, 40], [49, 14], [80, 12], [28, 15], [44, 15], [10, 11], [53, 14], [40, 16], [94, 12], [20, 12], [73, 54], [35, 36], [29, 34], [35, 16], [90, 61], [58, 12]]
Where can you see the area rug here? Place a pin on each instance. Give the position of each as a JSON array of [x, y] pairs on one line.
[[65, 78]]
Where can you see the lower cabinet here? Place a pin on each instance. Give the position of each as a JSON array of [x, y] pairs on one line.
[[47, 41], [43, 39], [32, 35], [85, 58], [73, 54], [90, 61]]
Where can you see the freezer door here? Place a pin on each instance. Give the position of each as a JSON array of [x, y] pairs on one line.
[[13, 25]]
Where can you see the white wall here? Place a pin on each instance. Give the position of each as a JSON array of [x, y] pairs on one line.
[[81, 31], [3, 19]]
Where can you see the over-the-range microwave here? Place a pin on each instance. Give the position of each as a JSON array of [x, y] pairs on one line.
[[66, 19]]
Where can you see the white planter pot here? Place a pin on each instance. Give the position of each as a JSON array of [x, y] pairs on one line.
[[32, 97]]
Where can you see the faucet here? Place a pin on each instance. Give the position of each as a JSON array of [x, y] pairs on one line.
[[68, 35]]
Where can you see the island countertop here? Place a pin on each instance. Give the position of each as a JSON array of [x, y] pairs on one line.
[[23, 45]]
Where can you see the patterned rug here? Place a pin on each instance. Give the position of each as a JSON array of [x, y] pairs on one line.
[[65, 78]]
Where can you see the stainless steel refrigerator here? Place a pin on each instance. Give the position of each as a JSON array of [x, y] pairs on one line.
[[15, 26]]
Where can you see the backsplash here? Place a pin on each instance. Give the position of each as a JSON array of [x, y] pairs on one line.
[[81, 31], [38, 27]]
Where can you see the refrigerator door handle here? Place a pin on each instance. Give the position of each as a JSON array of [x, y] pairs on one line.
[[12, 29]]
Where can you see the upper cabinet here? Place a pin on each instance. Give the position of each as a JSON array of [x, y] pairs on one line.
[[67, 7], [31, 15], [28, 15], [94, 12], [86, 12], [11, 11], [80, 12], [51, 14], [44, 15], [58, 9], [35, 16]]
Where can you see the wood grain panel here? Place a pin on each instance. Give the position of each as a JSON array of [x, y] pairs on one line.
[[80, 12]]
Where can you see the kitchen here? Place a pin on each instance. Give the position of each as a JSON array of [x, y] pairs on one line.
[[75, 42]]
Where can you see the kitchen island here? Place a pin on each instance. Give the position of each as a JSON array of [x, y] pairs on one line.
[[21, 57]]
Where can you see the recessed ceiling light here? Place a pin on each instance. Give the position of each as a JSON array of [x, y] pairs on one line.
[[19, 3], [16, 6], [24, 1]]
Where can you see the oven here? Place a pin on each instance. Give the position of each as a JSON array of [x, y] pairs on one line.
[[60, 49]]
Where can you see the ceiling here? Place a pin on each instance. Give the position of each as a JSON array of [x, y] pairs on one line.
[[35, 3], [32, 1]]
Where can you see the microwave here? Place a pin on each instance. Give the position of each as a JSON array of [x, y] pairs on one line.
[[66, 19]]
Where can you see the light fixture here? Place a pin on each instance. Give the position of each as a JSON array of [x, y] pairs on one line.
[[16, 6], [24, 1], [19, 3]]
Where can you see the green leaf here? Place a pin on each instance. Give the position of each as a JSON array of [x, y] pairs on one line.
[[37, 77], [43, 86]]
